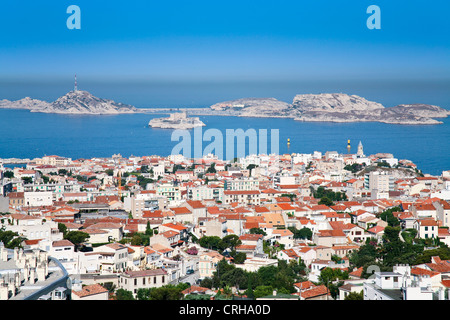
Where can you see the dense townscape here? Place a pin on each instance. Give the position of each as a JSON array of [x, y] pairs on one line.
[[320, 226]]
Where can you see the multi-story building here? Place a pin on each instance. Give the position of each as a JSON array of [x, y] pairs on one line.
[[426, 228], [241, 184], [114, 257], [379, 183], [205, 192], [144, 201], [207, 263], [38, 199], [145, 279], [31, 227], [399, 285], [170, 191], [249, 197]]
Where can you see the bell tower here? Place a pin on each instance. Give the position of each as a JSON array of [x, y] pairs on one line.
[[360, 152]]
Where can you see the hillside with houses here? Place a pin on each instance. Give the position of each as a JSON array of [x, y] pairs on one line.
[[319, 226]]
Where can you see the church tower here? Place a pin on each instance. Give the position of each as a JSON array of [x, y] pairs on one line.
[[360, 152]]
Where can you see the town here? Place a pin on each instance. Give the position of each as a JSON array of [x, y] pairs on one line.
[[319, 226]]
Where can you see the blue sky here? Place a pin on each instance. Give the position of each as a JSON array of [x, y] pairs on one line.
[[236, 40]]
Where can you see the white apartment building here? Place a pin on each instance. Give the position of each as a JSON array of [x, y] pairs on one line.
[[144, 201], [203, 192], [241, 184], [379, 183], [31, 227], [113, 257], [171, 192], [37, 199], [400, 285]]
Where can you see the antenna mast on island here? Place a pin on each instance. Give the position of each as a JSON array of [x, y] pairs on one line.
[[75, 87]]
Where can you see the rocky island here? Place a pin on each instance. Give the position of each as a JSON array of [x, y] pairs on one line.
[[176, 121], [324, 107], [74, 102], [333, 107]]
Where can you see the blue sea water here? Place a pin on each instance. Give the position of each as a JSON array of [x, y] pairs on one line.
[[27, 135]]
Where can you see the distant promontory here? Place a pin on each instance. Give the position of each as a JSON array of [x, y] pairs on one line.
[[332, 107], [74, 102]]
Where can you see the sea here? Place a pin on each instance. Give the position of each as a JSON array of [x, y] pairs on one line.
[[24, 134]]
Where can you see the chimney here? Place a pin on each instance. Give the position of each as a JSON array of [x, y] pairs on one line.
[[441, 293], [3, 252], [16, 254], [11, 287], [41, 273], [32, 275], [3, 292]]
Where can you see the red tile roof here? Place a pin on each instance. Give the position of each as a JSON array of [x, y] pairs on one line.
[[314, 292], [90, 290]]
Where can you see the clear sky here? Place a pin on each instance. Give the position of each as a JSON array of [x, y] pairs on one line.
[[213, 40]]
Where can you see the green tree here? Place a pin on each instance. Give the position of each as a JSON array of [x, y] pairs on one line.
[[383, 164], [8, 174], [388, 216], [206, 283], [354, 167], [148, 229], [210, 242], [291, 196], [168, 292], [303, 233], [122, 294], [11, 239], [229, 242], [239, 258], [27, 180], [262, 291], [355, 296], [257, 231], [62, 228], [330, 278], [425, 256], [212, 168], [321, 193], [136, 240], [326, 201], [76, 237]]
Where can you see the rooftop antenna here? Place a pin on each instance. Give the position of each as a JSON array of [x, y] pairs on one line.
[[75, 87]]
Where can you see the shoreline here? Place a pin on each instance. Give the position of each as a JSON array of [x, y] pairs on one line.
[[207, 111]]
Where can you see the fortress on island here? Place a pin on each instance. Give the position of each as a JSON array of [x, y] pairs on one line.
[[176, 121]]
